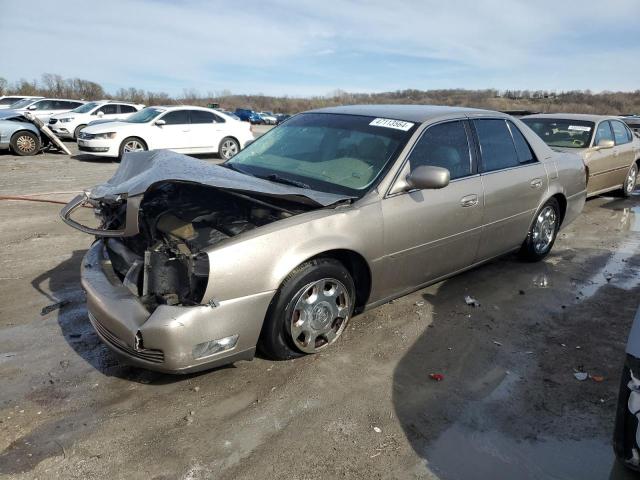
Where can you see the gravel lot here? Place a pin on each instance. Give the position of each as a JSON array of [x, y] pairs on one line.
[[508, 407]]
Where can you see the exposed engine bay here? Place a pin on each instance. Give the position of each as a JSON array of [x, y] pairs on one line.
[[165, 263]]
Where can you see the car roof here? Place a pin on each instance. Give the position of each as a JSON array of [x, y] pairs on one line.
[[573, 116], [408, 113]]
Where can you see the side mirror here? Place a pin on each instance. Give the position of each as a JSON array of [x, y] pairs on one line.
[[605, 143], [159, 123], [31, 107], [100, 114], [428, 177]]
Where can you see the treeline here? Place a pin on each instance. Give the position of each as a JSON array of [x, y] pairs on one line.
[[578, 101]]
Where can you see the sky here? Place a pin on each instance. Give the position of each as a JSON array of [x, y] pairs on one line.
[[313, 47]]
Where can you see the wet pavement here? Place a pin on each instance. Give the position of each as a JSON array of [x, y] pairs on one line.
[[509, 405]]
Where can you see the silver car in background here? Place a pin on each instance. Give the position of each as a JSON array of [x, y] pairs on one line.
[[333, 212]]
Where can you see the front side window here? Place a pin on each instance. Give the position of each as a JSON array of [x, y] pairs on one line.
[[24, 103], [328, 152], [177, 117], [603, 133], [496, 145], [560, 132], [444, 145], [45, 105], [619, 132]]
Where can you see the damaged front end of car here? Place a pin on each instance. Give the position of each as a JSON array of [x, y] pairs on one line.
[[147, 274]]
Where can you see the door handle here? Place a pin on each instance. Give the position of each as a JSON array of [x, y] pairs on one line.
[[536, 183], [469, 201]]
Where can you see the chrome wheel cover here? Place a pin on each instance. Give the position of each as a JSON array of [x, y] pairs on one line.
[[544, 229], [630, 183], [320, 314], [133, 146], [229, 149], [26, 144]]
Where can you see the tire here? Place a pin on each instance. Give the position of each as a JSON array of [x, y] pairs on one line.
[[630, 180], [25, 143], [317, 298], [545, 227], [131, 141], [228, 147], [77, 131]]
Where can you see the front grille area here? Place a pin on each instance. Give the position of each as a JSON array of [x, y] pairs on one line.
[[84, 148], [153, 356]]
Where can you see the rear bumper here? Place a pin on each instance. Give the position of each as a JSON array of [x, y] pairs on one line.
[[164, 340]]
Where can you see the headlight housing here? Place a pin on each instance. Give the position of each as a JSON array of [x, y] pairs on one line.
[[104, 136], [66, 120]]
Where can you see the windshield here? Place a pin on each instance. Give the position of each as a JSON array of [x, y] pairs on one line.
[[562, 133], [85, 108], [145, 115], [23, 103], [333, 153]]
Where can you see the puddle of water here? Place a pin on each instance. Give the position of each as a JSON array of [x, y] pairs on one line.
[[461, 453], [631, 219], [614, 270]]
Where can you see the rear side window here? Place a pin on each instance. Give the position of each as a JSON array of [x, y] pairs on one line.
[[178, 117], [496, 145], [603, 132], [109, 109], [620, 132], [200, 116], [523, 149], [127, 109], [444, 145]]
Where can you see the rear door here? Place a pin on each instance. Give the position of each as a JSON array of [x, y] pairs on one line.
[[109, 111], [125, 111], [175, 134], [602, 162], [514, 183], [206, 129], [624, 154], [431, 233]]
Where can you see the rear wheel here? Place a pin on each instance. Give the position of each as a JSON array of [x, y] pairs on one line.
[[310, 311], [76, 132], [132, 144], [25, 143], [228, 148], [543, 232], [630, 181]]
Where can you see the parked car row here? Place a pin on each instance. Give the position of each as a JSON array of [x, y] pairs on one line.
[[263, 118]]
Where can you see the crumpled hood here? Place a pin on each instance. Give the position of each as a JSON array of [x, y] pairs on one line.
[[9, 113], [140, 170]]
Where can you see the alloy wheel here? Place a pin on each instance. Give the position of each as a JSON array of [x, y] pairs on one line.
[[544, 229], [320, 314], [133, 146], [26, 144], [630, 183], [229, 149]]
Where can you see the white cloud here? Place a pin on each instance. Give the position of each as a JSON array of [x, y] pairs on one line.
[[215, 45]]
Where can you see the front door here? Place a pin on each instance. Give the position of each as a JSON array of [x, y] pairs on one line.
[[602, 162], [432, 233], [514, 183], [175, 134]]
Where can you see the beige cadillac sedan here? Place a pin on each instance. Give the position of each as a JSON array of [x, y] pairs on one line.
[[331, 213], [607, 145]]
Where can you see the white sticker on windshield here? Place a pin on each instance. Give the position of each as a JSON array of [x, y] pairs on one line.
[[580, 128], [388, 123]]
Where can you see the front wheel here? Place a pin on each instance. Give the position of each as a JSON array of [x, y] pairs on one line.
[[228, 148], [310, 311], [25, 143], [131, 144], [76, 132], [630, 181], [542, 233]]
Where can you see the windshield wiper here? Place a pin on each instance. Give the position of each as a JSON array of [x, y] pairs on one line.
[[274, 177]]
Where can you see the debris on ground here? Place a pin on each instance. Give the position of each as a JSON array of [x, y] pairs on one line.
[[497, 343], [196, 389], [582, 376], [472, 302], [438, 377], [597, 378], [377, 429], [420, 303], [521, 292], [53, 306]]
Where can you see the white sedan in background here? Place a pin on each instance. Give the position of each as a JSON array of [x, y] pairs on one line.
[[69, 124], [183, 129]]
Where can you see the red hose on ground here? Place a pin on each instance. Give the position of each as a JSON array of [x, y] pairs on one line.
[[31, 199]]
